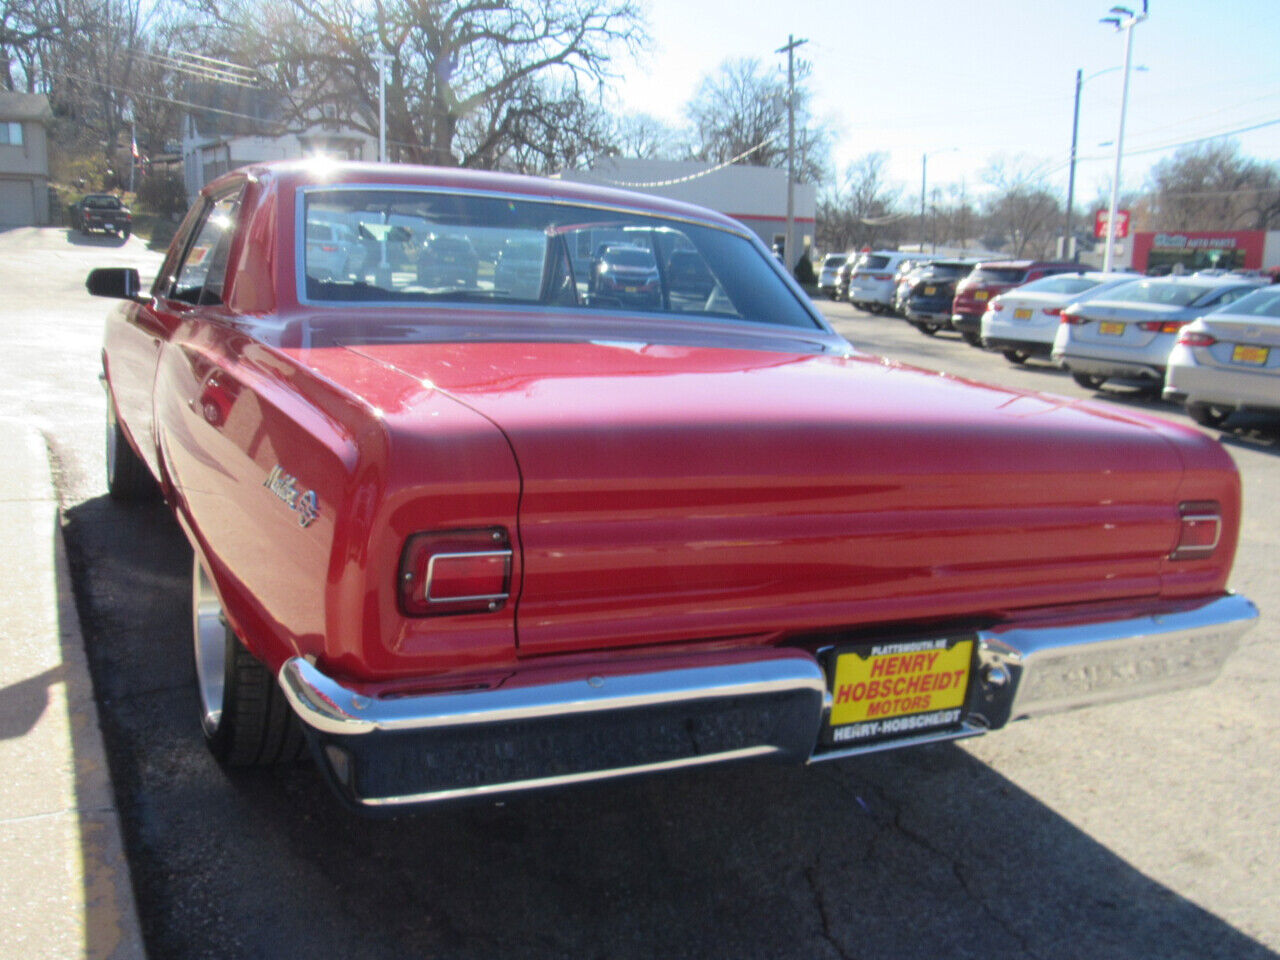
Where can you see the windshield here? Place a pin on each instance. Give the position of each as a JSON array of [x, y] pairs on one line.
[[590, 258]]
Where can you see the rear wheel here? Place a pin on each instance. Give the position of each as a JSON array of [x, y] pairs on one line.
[[1207, 415], [972, 339], [1088, 380], [1015, 356], [928, 329], [244, 714]]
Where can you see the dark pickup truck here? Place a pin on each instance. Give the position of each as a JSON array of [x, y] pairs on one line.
[[102, 211]]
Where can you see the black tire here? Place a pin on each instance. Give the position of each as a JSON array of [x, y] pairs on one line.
[[244, 715], [1088, 380], [128, 479], [124, 234], [972, 339], [928, 329], [1207, 415], [1018, 357]]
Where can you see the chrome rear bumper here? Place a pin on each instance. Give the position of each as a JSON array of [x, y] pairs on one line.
[[386, 753]]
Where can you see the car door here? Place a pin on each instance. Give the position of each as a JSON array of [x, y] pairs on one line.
[[189, 278]]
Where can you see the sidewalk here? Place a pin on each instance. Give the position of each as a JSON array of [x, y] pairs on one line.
[[65, 890]]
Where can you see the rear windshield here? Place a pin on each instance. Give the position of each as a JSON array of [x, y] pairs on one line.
[[102, 203], [1161, 292], [1261, 303], [834, 260], [1000, 275], [947, 271], [1064, 283], [629, 257], [389, 259], [871, 261]]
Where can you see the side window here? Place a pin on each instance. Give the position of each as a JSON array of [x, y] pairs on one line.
[[203, 272], [1231, 296]]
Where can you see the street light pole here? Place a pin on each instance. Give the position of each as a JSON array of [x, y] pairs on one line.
[[1125, 20], [382, 58], [789, 50], [1071, 177]]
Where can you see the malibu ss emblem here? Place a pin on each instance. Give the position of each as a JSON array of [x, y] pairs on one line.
[[304, 503]]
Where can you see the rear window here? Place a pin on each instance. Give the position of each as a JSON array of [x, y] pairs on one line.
[[871, 261], [395, 258], [1013, 275], [1164, 293], [834, 260], [1065, 283], [947, 271], [1261, 303]]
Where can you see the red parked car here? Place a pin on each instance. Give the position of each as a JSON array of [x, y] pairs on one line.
[[975, 292], [469, 541]]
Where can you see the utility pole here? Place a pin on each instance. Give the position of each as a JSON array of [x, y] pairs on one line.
[[382, 58], [1067, 250], [789, 50]]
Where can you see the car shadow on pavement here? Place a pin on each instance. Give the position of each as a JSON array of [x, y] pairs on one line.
[[77, 239], [922, 853]]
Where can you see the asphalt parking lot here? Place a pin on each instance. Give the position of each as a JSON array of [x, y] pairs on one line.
[[1145, 829]]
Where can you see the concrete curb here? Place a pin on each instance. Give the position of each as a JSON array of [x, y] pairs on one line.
[[65, 887]]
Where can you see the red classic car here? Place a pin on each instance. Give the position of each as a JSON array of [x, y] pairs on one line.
[[466, 540]]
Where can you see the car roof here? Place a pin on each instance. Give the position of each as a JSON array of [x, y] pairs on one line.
[[1027, 264]]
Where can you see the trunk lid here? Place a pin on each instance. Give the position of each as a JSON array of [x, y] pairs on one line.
[[686, 493]]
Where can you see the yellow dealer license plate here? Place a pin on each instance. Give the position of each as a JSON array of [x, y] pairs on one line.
[[898, 689], [1022, 313], [981, 295], [1111, 329], [930, 291], [1254, 355]]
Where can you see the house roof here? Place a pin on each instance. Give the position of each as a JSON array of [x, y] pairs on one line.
[[25, 106]]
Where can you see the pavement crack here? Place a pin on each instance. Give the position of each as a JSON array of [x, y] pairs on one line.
[[820, 902], [971, 891]]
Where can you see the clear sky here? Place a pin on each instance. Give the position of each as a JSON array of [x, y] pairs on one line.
[[987, 77]]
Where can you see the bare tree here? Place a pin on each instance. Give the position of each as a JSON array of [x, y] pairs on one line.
[[863, 210], [467, 77], [743, 107], [1210, 186], [644, 137], [1021, 209]]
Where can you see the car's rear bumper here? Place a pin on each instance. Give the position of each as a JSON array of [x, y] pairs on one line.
[[1036, 348], [1109, 367], [386, 753], [1240, 388]]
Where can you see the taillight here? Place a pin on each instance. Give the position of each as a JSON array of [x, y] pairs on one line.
[[1053, 311], [997, 305], [882, 276], [1162, 326], [1201, 529], [1193, 338], [1074, 319], [329, 248], [455, 571]]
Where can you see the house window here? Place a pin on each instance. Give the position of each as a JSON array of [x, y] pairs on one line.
[[11, 134]]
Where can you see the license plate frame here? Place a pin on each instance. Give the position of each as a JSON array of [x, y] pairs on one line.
[[1111, 328], [893, 690], [1249, 355]]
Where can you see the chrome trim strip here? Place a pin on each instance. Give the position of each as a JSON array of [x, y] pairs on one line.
[[329, 707], [1059, 667], [488, 789], [965, 731], [431, 567]]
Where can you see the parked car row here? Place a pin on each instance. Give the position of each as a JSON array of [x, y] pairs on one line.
[[1208, 342]]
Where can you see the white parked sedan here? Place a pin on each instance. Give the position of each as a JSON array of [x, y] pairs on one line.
[[1127, 333], [871, 282], [1021, 322], [1229, 360]]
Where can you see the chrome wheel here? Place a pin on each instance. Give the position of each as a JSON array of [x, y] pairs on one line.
[[209, 635]]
